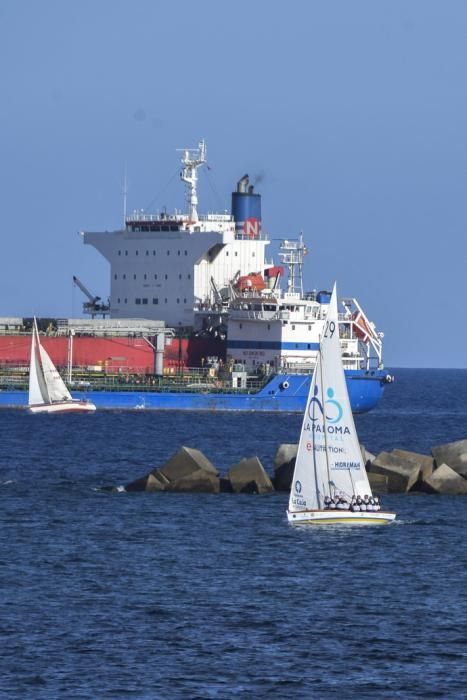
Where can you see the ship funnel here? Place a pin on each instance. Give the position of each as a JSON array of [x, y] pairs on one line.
[[242, 184], [246, 210]]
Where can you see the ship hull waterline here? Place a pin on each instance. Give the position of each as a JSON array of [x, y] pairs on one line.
[[365, 391], [339, 517], [74, 406]]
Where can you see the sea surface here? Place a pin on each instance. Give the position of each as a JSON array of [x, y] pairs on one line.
[[108, 595]]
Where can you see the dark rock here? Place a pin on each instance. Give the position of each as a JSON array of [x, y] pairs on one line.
[[367, 457], [454, 454], [284, 464], [249, 476]]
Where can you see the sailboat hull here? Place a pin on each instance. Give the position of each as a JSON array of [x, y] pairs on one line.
[[339, 517], [72, 406]]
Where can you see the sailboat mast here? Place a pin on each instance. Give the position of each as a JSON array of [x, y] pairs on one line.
[[324, 414]]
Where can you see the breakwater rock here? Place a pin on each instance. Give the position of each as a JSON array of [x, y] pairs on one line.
[[398, 471], [190, 471]]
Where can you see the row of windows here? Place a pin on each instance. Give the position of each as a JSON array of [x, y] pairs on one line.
[[145, 300], [125, 252], [240, 325], [179, 252], [145, 276]]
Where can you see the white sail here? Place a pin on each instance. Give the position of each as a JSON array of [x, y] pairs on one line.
[[329, 459], [55, 385], [38, 393], [45, 383]]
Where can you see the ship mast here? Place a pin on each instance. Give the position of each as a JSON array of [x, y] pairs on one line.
[[291, 254], [192, 159]]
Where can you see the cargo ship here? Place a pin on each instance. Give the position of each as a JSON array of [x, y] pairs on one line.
[[198, 318]]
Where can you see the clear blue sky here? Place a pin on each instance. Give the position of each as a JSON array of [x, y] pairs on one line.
[[354, 113]]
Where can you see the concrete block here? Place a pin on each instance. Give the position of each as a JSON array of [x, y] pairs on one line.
[[284, 464], [426, 462], [454, 454], [445, 480], [249, 476], [378, 483], [151, 482], [185, 461], [402, 473], [367, 456], [199, 481]]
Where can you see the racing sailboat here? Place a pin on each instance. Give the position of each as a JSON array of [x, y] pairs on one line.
[[330, 474], [47, 390]]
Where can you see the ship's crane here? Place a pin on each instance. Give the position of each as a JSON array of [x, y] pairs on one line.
[[95, 306]]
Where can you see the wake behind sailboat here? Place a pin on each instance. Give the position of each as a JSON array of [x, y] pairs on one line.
[[47, 390], [330, 483]]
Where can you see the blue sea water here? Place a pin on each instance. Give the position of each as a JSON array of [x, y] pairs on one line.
[[215, 596]]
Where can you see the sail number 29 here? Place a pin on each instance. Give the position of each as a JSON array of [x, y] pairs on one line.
[[330, 329]]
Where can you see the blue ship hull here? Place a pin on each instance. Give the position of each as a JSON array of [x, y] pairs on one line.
[[283, 393]]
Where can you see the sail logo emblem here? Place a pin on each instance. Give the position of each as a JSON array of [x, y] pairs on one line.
[[298, 486], [331, 405]]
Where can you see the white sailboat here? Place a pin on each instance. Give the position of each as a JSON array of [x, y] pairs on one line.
[[329, 470], [47, 390]]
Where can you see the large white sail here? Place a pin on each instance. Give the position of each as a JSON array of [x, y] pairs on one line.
[[38, 392], [55, 385], [329, 459]]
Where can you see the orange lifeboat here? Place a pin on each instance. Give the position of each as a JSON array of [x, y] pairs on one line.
[[252, 282], [361, 328]]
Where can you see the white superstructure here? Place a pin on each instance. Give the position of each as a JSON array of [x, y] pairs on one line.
[[163, 266]]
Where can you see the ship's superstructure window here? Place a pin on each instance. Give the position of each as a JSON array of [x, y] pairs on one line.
[[145, 276], [115, 277], [124, 276], [189, 276], [126, 300], [119, 252], [137, 300], [178, 300], [147, 252], [165, 300], [153, 252], [155, 300], [118, 300], [137, 253], [166, 277], [240, 325], [180, 276], [134, 277], [178, 253], [126, 252], [168, 252], [186, 252], [144, 300], [155, 276]]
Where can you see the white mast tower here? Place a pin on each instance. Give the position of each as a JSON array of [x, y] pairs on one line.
[[192, 159]]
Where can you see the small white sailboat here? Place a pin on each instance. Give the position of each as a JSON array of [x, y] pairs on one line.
[[47, 390], [330, 484]]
